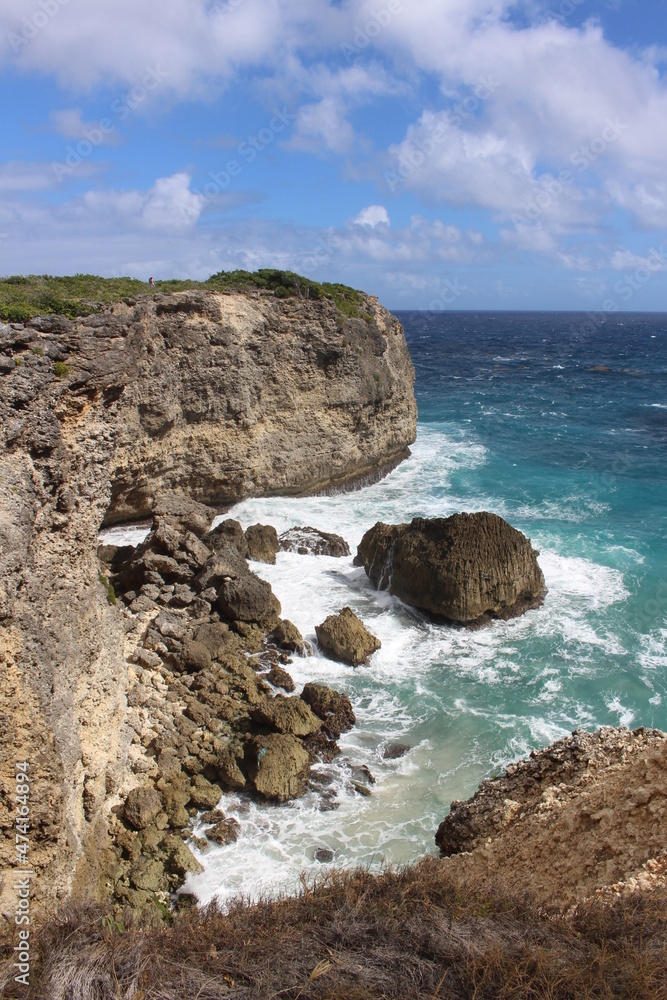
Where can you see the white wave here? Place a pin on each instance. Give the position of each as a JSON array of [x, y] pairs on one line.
[[125, 534]]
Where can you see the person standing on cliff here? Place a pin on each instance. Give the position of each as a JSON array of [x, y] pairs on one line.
[[151, 282]]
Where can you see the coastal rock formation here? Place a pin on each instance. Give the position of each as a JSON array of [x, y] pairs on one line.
[[262, 542], [345, 637], [333, 708], [169, 406], [314, 542], [586, 815], [460, 567]]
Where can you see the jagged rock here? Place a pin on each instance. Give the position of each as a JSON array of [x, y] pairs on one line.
[[196, 656], [215, 637], [345, 637], [280, 678], [230, 775], [227, 538], [262, 542], [203, 793], [277, 765], [314, 542], [320, 747], [249, 599], [141, 807], [221, 566], [184, 513], [180, 859], [287, 636], [460, 567], [333, 708], [286, 715], [175, 797], [225, 832]]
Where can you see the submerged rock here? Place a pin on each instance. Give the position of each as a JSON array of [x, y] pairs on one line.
[[460, 567], [345, 637], [314, 542], [225, 832]]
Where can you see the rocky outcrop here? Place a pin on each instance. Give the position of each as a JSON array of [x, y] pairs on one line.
[[278, 765], [333, 708], [174, 406], [312, 541], [461, 567], [585, 816], [262, 542], [345, 637]]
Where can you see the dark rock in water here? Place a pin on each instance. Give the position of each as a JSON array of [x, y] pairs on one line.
[[361, 789], [395, 750], [345, 637], [262, 542], [333, 708], [460, 567], [324, 855], [280, 678], [141, 807], [314, 542], [228, 537], [321, 748], [287, 636], [225, 832], [277, 765], [213, 816], [363, 774], [249, 599]]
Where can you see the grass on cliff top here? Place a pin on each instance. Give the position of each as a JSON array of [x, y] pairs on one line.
[[409, 935], [22, 297]]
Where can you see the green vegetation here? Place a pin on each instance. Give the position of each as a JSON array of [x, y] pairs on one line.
[[22, 297], [413, 934], [111, 593], [18, 361], [61, 369]]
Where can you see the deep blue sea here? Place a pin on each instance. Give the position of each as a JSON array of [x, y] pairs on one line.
[[557, 422]]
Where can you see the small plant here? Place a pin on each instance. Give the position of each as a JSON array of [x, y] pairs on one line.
[[377, 378], [18, 362], [109, 923], [61, 369], [111, 593], [38, 351]]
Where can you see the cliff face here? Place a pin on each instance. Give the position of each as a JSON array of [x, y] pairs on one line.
[[213, 396], [585, 817]]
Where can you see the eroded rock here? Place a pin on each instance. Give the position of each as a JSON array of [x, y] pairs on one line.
[[312, 541], [277, 765], [460, 567], [345, 637]]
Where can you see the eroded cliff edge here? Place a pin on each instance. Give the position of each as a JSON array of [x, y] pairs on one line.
[[215, 396]]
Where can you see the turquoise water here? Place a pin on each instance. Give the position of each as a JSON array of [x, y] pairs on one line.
[[559, 424]]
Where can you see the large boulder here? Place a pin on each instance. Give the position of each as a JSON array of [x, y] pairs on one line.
[[249, 599], [314, 542], [333, 708], [460, 567], [345, 637], [228, 537], [184, 513], [262, 542], [286, 715], [287, 636], [141, 807], [277, 765]]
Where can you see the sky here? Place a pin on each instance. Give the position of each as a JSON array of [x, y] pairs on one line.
[[441, 154]]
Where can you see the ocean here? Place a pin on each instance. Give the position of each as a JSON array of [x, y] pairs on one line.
[[557, 422]]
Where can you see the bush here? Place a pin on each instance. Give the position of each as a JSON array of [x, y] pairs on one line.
[[61, 369]]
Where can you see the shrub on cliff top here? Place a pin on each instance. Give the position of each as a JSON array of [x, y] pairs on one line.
[[23, 297]]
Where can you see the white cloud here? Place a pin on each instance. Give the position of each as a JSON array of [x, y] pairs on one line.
[[169, 206], [374, 215]]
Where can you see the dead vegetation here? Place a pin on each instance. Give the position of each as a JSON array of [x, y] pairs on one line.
[[355, 936]]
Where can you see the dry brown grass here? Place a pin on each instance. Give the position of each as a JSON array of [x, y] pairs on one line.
[[409, 934]]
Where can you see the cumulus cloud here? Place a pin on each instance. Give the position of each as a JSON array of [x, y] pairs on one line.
[[374, 215]]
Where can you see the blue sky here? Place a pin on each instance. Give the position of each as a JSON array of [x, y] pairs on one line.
[[466, 154]]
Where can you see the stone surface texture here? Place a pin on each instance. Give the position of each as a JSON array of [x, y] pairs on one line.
[[345, 637], [460, 567], [587, 815]]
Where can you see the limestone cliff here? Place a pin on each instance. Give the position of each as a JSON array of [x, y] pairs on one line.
[[210, 395]]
